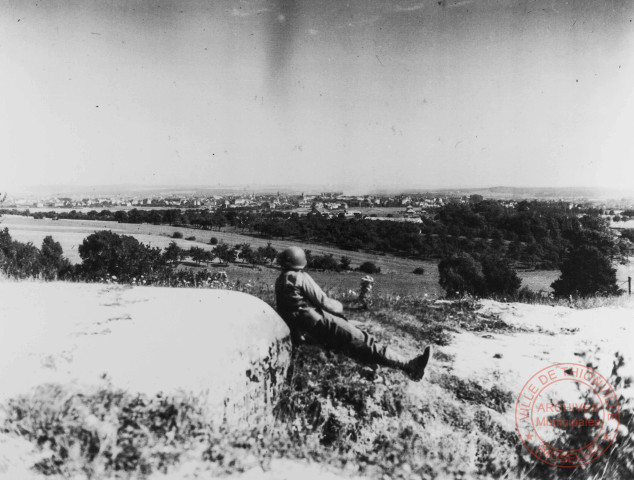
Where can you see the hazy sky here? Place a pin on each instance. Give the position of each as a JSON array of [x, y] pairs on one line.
[[370, 93]]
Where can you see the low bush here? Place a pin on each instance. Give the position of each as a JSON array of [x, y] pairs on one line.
[[369, 267], [462, 274], [322, 262]]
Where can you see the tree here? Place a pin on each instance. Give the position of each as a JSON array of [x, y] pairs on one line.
[[106, 254], [197, 254], [27, 259], [121, 216], [460, 274], [268, 252], [173, 253], [208, 256], [344, 263], [218, 220], [52, 259], [246, 252], [257, 258], [499, 277], [586, 272], [225, 253]]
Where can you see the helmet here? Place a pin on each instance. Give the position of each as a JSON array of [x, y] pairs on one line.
[[292, 258]]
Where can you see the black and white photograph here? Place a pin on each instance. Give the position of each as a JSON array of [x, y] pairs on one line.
[[316, 239]]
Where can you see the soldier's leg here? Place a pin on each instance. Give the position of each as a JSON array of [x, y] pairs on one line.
[[336, 332]]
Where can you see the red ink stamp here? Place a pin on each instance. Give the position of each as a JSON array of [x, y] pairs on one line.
[[567, 415]]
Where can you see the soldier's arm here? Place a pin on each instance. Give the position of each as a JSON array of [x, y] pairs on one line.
[[317, 297]]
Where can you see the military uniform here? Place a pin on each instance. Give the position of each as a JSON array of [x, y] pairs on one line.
[[307, 310]]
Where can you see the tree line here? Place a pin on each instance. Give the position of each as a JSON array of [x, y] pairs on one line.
[[106, 255]]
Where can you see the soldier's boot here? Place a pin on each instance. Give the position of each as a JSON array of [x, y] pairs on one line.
[[414, 368]]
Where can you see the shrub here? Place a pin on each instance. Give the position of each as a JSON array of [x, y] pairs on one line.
[[500, 279], [419, 270], [213, 241], [586, 272], [369, 267], [628, 233], [151, 433], [24, 260], [323, 262], [107, 254], [177, 235], [52, 260], [461, 274]]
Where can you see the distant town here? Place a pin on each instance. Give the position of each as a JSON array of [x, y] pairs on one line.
[[402, 207], [394, 207]]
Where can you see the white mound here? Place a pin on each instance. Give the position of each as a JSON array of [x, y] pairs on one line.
[[229, 349], [547, 335]]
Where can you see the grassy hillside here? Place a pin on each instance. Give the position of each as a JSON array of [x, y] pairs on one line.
[[350, 418]]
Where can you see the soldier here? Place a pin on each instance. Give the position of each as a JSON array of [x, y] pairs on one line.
[[309, 311], [365, 291]]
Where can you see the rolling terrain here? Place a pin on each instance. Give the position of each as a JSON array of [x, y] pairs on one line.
[[396, 272]]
